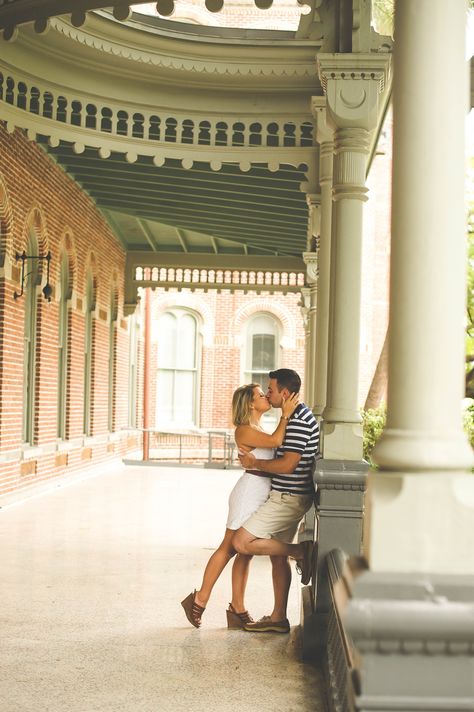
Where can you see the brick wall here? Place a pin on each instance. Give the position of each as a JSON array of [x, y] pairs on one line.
[[36, 195]]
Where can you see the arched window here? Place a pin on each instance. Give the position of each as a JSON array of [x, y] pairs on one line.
[[29, 339], [88, 354], [63, 352], [178, 369], [261, 348], [133, 341], [112, 358]]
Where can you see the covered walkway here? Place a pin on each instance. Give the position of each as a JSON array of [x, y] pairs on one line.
[[92, 576]]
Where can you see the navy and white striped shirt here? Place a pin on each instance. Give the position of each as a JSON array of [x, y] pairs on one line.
[[301, 436]]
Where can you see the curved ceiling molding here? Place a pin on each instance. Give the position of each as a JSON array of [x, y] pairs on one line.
[[227, 62]]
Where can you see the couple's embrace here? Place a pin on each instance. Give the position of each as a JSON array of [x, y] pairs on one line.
[[267, 503]]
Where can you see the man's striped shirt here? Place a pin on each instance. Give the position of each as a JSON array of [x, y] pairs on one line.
[[301, 436]]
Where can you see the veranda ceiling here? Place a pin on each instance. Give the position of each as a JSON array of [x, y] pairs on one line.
[[204, 189], [172, 209]]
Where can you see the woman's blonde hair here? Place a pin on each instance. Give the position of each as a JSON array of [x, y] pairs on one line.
[[241, 403]]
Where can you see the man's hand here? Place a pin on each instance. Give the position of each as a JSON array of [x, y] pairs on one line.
[[248, 460]]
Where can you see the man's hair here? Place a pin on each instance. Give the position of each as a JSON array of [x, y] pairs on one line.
[[241, 402], [286, 378]]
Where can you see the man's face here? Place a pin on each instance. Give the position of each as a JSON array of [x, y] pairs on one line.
[[275, 396]]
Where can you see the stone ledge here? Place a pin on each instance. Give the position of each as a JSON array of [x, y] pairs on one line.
[[349, 475]]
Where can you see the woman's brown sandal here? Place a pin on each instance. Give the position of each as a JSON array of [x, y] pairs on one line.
[[192, 609], [237, 621]]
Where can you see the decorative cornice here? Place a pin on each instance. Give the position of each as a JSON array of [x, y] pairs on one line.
[[223, 66]]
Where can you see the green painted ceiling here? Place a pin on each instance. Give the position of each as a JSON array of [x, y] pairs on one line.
[[172, 209]]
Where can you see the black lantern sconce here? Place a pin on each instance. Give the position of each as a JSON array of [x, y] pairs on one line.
[[47, 289]]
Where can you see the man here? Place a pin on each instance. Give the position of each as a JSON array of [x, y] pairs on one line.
[[272, 528]]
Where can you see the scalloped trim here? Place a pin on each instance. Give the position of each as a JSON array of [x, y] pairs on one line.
[[177, 63]]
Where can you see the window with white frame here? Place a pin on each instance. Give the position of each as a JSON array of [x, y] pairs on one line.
[[63, 347], [30, 336], [261, 348], [88, 354], [133, 341], [112, 370], [178, 369]]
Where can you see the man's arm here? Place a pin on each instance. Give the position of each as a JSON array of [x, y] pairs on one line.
[[284, 465]]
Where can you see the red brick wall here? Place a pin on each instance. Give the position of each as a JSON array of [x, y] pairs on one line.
[[37, 194]]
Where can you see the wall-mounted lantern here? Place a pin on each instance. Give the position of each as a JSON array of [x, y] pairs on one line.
[[47, 289]]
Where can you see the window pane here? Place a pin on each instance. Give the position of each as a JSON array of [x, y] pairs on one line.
[[186, 342], [263, 352], [164, 397], [184, 397], [167, 341]]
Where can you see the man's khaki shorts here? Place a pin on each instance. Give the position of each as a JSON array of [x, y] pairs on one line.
[[279, 516]]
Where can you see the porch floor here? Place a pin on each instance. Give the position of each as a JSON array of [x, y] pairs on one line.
[[93, 573]]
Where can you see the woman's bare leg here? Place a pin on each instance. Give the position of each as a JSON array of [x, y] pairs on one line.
[[240, 574], [215, 566]]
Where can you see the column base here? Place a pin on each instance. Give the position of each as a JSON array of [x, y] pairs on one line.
[[414, 640], [342, 441], [420, 522], [411, 450]]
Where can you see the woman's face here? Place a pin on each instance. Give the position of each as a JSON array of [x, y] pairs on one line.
[[259, 401]]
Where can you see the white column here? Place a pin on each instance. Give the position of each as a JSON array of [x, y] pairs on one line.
[[428, 255], [324, 136], [422, 499], [353, 84]]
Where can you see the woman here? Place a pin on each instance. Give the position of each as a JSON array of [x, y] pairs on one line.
[[249, 403]]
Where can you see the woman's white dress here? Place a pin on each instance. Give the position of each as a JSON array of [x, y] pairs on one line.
[[249, 493]]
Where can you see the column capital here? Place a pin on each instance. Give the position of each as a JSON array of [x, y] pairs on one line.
[[352, 84], [311, 261]]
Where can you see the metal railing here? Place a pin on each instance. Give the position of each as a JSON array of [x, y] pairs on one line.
[[208, 448]]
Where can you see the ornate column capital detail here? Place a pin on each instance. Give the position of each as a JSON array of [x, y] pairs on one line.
[[312, 269], [324, 130], [352, 84], [351, 148]]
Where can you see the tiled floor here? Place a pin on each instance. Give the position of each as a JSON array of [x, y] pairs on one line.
[[91, 579]]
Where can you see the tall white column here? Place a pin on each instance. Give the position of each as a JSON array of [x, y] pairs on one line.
[[422, 501], [428, 255], [324, 136], [353, 84]]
